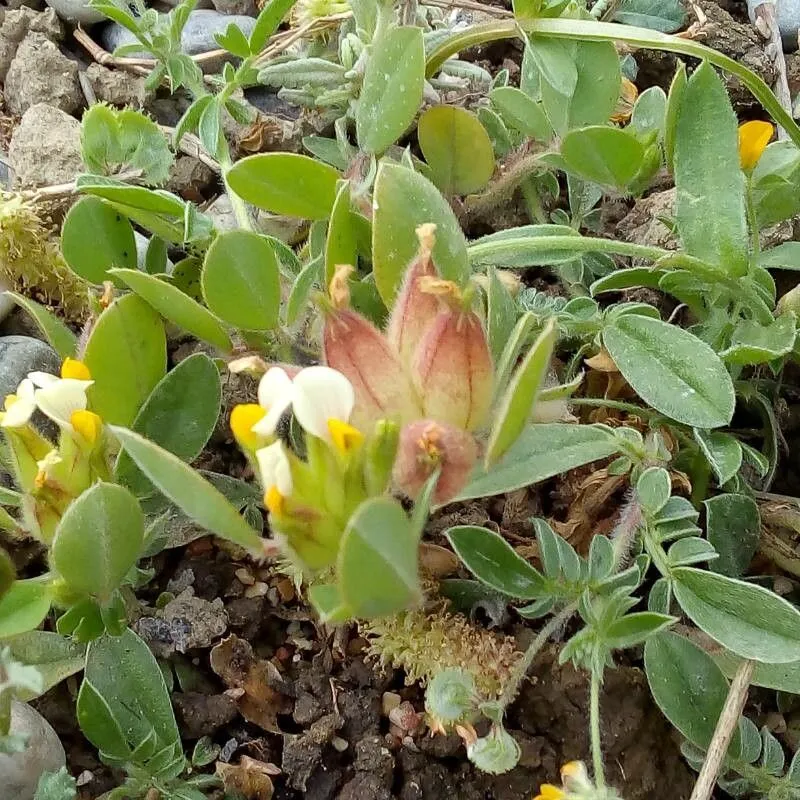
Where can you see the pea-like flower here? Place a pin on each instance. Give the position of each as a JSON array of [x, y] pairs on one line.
[[754, 136], [276, 476]]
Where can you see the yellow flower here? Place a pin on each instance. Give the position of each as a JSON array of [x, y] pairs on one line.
[[549, 792], [72, 368], [754, 136], [243, 417], [87, 424]]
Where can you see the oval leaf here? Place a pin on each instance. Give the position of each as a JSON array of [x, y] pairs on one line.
[[391, 94], [194, 495], [57, 334], [23, 607], [671, 370], [341, 245], [522, 112], [127, 356], [177, 307], [403, 201], [457, 148], [746, 619], [98, 540], [95, 237], [605, 155], [285, 183], [241, 282]]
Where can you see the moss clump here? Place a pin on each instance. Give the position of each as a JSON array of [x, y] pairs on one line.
[[31, 262], [424, 643]]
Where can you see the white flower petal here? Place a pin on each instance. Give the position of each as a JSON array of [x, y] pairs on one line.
[[321, 394], [275, 392], [21, 410], [60, 400], [42, 379], [273, 464]]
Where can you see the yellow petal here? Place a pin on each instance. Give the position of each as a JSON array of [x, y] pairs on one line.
[[754, 136], [549, 792], [243, 417], [77, 370], [344, 436], [87, 424], [274, 501], [9, 401]]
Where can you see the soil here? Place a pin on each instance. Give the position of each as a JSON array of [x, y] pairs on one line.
[[253, 671]]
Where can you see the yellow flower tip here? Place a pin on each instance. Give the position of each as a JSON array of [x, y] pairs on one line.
[[274, 501], [243, 417], [77, 370], [345, 437], [572, 769], [549, 792], [754, 136], [9, 401], [87, 424]]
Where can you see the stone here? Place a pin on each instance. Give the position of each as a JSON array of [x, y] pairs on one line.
[[41, 73], [198, 34], [76, 12], [45, 130], [142, 243], [246, 7], [20, 772], [788, 15], [190, 178], [17, 23], [7, 305], [117, 87], [20, 355]]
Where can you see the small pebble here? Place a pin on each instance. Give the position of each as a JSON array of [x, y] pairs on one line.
[[389, 702], [339, 744], [76, 11]]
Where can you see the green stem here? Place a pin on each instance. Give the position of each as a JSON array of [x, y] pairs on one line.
[[752, 221], [594, 721], [511, 689], [585, 30], [534, 202]]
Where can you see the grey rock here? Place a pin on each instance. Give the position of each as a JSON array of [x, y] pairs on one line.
[[20, 772], [142, 243], [16, 25], [7, 305], [41, 73], [246, 7], [190, 178], [36, 5], [788, 15], [76, 11], [117, 87], [44, 129], [198, 34], [20, 355]]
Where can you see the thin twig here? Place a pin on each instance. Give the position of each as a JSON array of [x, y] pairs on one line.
[[190, 145], [723, 733], [767, 25], [65, 189]]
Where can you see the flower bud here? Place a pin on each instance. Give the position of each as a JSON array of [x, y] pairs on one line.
[[451, 697], [352, 345], [414, 309], [427, 445], [453, 370]]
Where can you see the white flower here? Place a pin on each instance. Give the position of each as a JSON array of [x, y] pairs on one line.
[[275, 394], [276, 476], [59, 398], [322, 404], [19, 407]]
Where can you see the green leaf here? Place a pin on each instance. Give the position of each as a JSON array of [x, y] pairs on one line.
[[241, 281], [328, 602], [674, 101], [195, 496], [55, 332], [671, 370], [404, 200], [23, 607], [490, 558], [666, 16], [775, 182], [649, 112], [784, 256], [522, 112], [457, 148], [391, 93], [723, 451], [688, 687], [627, 279], [526, 246], [271, 16], [55, 657], [555, 60], [123, 673], [501, 314], [377, 563], [539, 453], [690, 550], [753, 343], [653, 489], [311, 274], [341, 245], [602, 154], [95, 237], [156, 256], [709, 205], [98, 540], [176, 306], [633, 629], [127, 356], [285, 183], [733, 526], [780, 677], [515, 409], [745, 618], [179, 415]]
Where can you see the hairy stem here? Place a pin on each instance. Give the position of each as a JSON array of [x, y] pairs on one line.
[[586, 30], [594, 722], [723, 733]]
